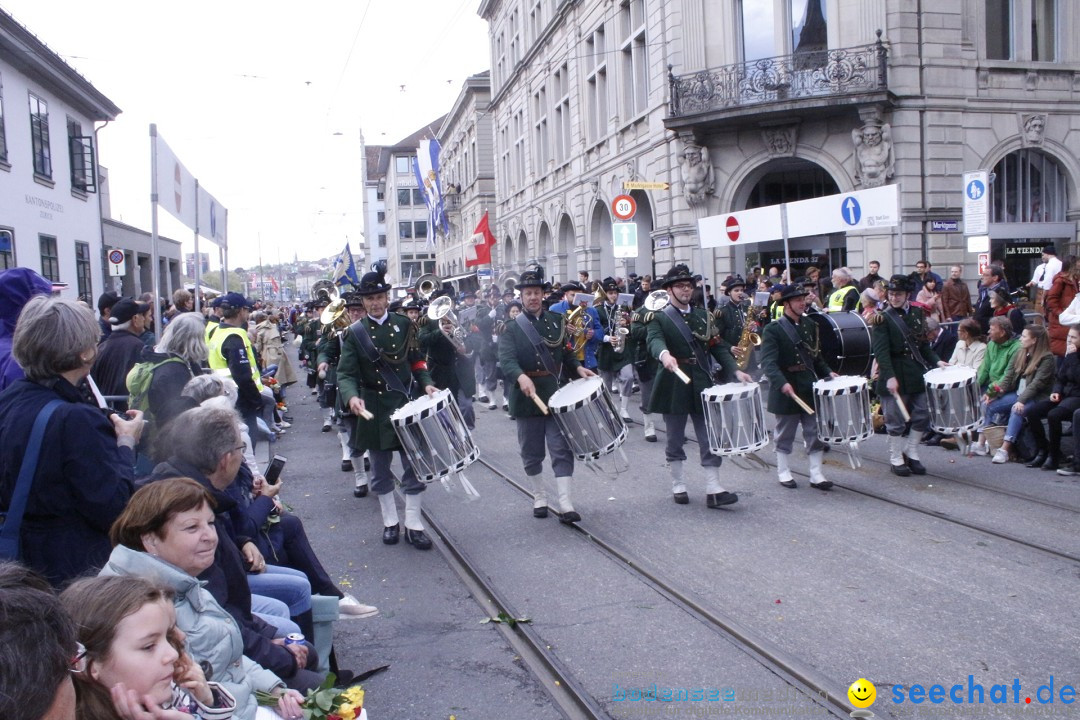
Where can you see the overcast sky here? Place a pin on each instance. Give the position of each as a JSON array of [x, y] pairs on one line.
[[263, 102]]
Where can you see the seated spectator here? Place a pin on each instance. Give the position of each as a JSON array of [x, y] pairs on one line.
[[132, 658], [1000, 350], [17, 286], [206, 447], [970, 345], [1029, 379], [1064, 400], [84, 473], [38, 642], [166, 535], [1002, 303]]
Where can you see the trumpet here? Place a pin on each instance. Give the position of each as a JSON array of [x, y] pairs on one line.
[[443, 308], [427, 284], [656, 300]]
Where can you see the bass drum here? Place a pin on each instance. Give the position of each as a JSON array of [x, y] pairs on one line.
[[845, 342]]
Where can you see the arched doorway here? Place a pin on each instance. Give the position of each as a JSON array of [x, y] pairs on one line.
[[785, 180], [643, 218], [567, 244], [600, 240], [508, 261], [544, 250], [522, 250]]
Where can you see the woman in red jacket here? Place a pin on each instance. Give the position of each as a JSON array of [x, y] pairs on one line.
[[1061, 293]]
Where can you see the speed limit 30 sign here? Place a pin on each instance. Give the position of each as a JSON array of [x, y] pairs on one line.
[[623, 207]]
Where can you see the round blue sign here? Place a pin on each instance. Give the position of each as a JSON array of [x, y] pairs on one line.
[[850, 210], [975, 189]]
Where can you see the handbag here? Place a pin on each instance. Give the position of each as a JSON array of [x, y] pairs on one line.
[[11, 519]]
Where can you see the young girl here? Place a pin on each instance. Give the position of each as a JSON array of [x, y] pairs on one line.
[[131, 663]]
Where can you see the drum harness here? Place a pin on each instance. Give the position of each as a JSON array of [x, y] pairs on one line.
[[390, 378], [909, 340]]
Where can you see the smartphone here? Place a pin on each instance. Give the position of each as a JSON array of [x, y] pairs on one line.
[[273, 470]]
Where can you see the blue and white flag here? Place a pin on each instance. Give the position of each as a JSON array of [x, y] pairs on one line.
[[345, 269], [427, 177]]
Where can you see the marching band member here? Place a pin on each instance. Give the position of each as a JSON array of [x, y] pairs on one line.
[[682, 337], [488, 318], [354, 305], [379, 368], [644, 366], [451, 362], [533, 354], [732, 317], [593, 330], [903, 355], [791, 359], [615, 364]]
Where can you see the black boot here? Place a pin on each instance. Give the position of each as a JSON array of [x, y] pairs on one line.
[[1038, 460], [1053, 461]]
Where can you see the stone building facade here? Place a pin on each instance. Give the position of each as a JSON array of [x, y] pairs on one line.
[[744, 103]]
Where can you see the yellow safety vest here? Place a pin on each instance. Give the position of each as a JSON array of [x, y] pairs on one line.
[[777, 310], [217, 359], [836, 300]]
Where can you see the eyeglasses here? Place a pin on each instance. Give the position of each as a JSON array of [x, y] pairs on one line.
[[80, 661]]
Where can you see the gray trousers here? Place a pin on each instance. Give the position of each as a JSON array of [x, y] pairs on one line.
[[916, 405], [646, 393], [487, 378], [533, 432], [676, 438], [623, 380], [382, 481], [786, 425], [468, 414]]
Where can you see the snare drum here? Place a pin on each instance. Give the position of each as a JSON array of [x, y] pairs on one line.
[[952, 397], [434, 436], [588, 418], [842, 405], [735, 418]]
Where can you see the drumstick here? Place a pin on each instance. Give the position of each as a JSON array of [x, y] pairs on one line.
[[681, 375], [540, 404], [902, 406], [799, 401], [366, 415]]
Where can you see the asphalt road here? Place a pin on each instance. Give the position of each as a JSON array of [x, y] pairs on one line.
[[852, 583]]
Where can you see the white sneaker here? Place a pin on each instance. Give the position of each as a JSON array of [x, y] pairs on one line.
[[285, 424], [1001, 456], [980, 448], [349, 608], [491, 406]]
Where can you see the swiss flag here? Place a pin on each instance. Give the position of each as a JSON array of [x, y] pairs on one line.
[[478, 251]]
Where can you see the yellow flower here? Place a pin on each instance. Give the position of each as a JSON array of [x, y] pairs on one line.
[[346, 712], [355, 695]]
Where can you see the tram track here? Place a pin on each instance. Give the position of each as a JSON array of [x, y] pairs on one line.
[[818, 688]]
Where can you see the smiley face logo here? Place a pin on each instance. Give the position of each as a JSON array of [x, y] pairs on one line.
[[861, 693]]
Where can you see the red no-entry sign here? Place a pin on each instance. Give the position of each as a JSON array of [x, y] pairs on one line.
[[732, 227]]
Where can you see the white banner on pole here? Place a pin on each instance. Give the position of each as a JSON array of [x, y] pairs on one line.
[[212, 218], [175, 186], [845, 212], [741, 228]]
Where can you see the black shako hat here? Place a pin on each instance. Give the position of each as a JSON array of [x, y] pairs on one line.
[[899, 283], [373, 283], [793, 291], [677, 273], [733, 282], [533, 277], [608, 284], [352, 299]]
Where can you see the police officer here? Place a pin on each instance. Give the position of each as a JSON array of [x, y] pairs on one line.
[[381, 369], [903, 355], [533, 354], [791, 359], [615, 365], [684, 338], [231, 354], [845, 297]]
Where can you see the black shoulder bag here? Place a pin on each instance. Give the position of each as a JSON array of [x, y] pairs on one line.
[[393, 382], [538, 343], [677, 319]]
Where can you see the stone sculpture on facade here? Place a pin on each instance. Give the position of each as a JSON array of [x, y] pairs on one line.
[[1034, 127], [874, 159], [698, 176]]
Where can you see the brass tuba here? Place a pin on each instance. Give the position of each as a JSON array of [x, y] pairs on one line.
[[443, 307], [427, 285], [324, 290], [333, 316], [657, 300]]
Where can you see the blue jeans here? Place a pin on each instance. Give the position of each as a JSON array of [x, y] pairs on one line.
[[285, 584], [275, 613], [998, 410]]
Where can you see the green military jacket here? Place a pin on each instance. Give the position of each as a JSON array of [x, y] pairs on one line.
[[893, 355], [782, 364], [309, 345], [730, 320], [359, 377], [670, 395], [450, 370], [606, 357], [517, 355]]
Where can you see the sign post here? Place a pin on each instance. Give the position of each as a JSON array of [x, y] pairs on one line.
[[624, 240], [976, 203], [623, 207], [117, 264]]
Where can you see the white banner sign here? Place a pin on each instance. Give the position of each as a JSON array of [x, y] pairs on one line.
[[844, 212], [213, 219], [175, 186], [741, 228]]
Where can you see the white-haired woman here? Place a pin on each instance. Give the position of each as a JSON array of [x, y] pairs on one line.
[[84, 475]]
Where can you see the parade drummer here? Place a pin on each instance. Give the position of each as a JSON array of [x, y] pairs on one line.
[[615, 365], [533, 353], [791, 359], [381, 369], [354, 306], [903, 354], [684, 338]]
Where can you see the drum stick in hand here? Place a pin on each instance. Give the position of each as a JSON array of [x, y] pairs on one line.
[[540, 404], [799, 401], [681, 375], [903, 407], [365, 414]]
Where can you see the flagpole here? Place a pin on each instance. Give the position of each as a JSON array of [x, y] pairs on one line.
[[154, 221], [198, 258]]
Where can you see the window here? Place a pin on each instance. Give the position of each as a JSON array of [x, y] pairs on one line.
[[758, 37], [500, 62], [404, 196], [504, 161], [81, 149], [519, 149], [402, 164], [999, 29], [418, 197], [809, 32], [420, 229], [1028, 186], [380, 216], [536, 19], [82, 269], [380, 193], [596, 82], [1043, 30], [50, 260], [382, 240], [7, 249], [562, 113], [404, 229], [633, 58], [39, 136], [807, 36], [515, 41], [474, 170], [3, 134], [541, 142], [1007, 21]]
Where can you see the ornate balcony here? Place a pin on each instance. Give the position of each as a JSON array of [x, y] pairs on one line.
[[818, 78]]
